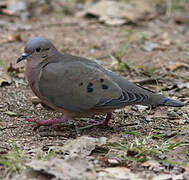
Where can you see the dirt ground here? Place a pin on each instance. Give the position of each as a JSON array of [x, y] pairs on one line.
[[167, 65]]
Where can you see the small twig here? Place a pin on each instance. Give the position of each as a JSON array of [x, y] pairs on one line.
[[131, 124], [147, 81]]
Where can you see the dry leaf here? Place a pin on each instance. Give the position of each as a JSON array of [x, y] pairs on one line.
[[5, 78], [181, 18], [151, 164], [82, 146], [122, 173], [118, 13], [15, 26], [14, 7], [14, 37], [176, 65], [160, 114], [64, 169], [178, 155], [117, 173], [180, 138]]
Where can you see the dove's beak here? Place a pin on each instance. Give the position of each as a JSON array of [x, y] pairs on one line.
[[22, 57]]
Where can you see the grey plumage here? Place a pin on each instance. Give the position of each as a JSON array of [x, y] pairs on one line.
[[77, 84]]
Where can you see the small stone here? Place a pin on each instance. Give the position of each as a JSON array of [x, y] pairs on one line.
[[149, 118], [185, 116], [151, 164], [142, 108], [179, 112], [150, 46], [35, 100], [113, 161], [39, 106]]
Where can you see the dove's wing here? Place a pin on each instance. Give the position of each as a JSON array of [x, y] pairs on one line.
[[78, 87]]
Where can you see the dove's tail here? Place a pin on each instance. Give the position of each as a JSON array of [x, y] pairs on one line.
[[170, 102]]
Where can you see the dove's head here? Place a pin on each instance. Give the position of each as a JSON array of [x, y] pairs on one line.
[[37, 49]]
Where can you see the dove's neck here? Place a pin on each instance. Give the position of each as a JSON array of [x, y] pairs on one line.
[[32, 72]]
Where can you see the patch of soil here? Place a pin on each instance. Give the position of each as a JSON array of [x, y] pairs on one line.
[[86, 37]]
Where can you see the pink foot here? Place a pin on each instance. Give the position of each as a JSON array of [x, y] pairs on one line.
[[47, 122], [104, 123]]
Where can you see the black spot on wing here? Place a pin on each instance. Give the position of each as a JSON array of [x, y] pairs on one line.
[[104, 86], [101, 80], [81, 84], [89, 89], [90, 84]]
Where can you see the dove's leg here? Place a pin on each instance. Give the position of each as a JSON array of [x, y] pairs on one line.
[[107, 120], [53, 122], [104, 123], [47, 122]]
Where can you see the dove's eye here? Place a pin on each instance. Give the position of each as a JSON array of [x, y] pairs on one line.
[[38, 49]]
